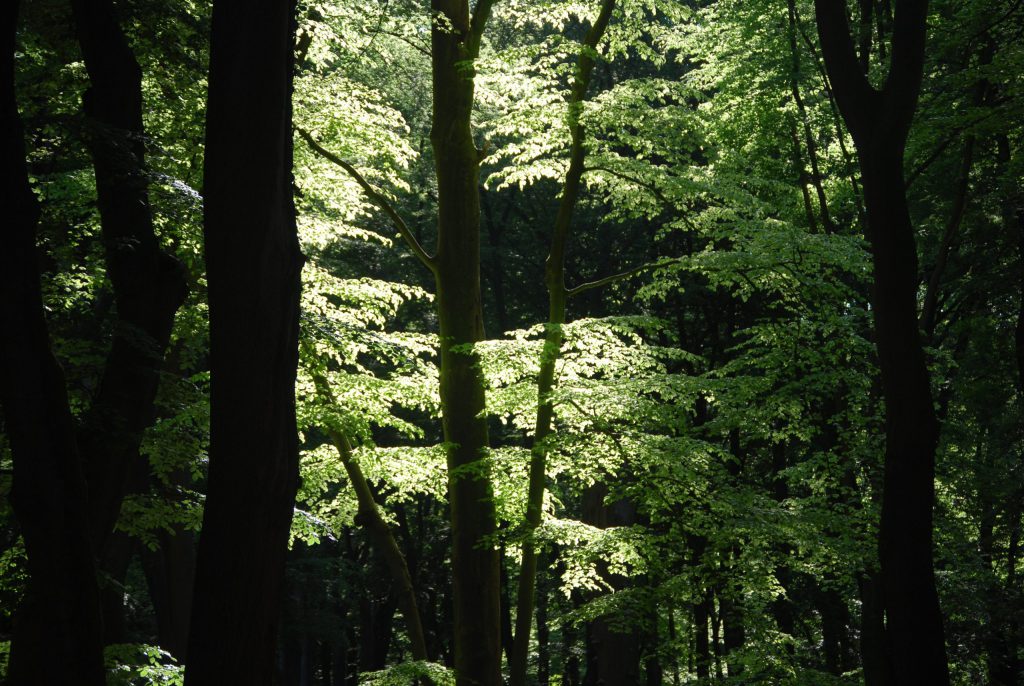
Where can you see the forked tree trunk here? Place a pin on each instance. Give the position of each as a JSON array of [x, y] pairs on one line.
[[879, 121], [253, 263], [57, 635]]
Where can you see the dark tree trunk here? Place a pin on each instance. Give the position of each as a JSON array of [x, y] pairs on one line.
[[734, 632], [113, 569], [834, 620], [57, 634], [543, 628], [1013, 221], [879, 121], [381, 536], [613, 650], [874, 651], [701, 608], [377, 622], [149, 285], [570, 659], [702, 647], [169, 574], [253, 263], [475, 561]]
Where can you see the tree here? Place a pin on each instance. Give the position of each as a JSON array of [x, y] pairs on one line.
[[253, 264], [149, 284], [879, 121], [58, 633], [557, 296], [455, 42]]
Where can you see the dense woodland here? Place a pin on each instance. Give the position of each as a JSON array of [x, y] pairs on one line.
[[527, 342]]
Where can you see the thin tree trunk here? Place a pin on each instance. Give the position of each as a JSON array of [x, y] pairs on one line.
[[701, 614], [543, 630], [169, 573], [57, 633], [369, 517], [812, 148], [929, 310], [557, 294], [253, 263], [613, 652], [802, 178], [1013, 220]]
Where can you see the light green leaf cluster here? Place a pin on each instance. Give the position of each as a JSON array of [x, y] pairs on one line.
[[358, 124], [136, 664], [143, 515], [590, 553], [409, 674], [370, 371]]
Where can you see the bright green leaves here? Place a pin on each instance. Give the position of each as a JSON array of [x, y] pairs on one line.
[[132, 664]]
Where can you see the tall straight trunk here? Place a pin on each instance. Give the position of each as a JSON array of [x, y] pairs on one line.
[[149, 284], [734, 633], [879, 121], [613, 652], [455, 42], [702, 647], [169, 572], [1013, 221], [253, 263], [543, 629], [930, 306], [557, 295], [57, 633]]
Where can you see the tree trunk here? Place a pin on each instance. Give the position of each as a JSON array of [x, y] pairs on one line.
[[543, 629], [169, 573], [369, 517], [253, 263], [475, 563], [149, 285], [879, 122], [702, 647], [57, 634], [557, 295], [613, 652]]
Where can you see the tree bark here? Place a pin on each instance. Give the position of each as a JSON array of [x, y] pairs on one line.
[[57, 635], [149, 284], [455, 42], [613, 652], [879, 121], [253, 263], [169, 572]]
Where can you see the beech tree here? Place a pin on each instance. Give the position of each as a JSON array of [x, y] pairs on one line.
[[879, 121], [588, 372], [58, 629], [253, 264]]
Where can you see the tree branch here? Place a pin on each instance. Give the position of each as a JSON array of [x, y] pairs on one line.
[[590, 285], [481, 13], [376, 197], [857, 99]]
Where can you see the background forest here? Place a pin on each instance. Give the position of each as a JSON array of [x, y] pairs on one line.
[[638, 342]]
